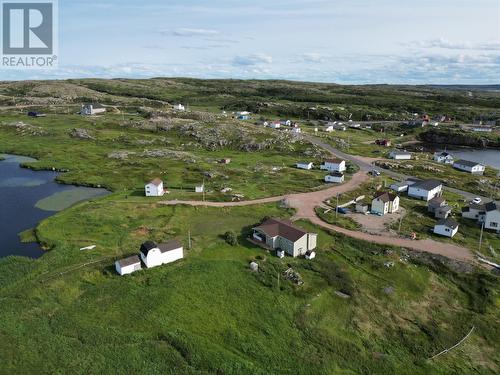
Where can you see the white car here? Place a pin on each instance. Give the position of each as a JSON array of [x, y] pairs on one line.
[[476, 200]]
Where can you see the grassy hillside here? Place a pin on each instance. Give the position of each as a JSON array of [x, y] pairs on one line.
[[210, 314]]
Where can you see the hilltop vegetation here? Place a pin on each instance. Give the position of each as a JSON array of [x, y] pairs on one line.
[[279, 98]]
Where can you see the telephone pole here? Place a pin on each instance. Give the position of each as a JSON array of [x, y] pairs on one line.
[[481, 236], [337, 207], [189, 239]]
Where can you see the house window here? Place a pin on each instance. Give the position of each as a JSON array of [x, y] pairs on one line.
[[447, 230], [494, 224]]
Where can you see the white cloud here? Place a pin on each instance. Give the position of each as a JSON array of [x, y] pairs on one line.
[[312, 57], [443, 43], [254, 59], [188, 32]]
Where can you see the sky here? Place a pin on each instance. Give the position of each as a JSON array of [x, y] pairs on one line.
[[339, 41]]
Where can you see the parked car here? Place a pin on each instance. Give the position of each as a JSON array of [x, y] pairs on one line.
[[477, 200], [375, 173]]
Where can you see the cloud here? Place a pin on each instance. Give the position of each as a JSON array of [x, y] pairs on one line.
[[312, 57], [254, 59], [443, 43], [188, 32]]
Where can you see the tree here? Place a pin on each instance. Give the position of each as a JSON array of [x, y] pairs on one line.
[[231, 238]]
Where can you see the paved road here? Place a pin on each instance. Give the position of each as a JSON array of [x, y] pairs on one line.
[[365, 164]]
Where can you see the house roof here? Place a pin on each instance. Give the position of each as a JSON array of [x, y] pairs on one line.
[[334, 161], [492, 206], [282, 228], [169, 246], [336, 174], [443, 154], [475, 206], [427, 184], [467, 163], [156, 182], [400, 184], [444, 209], [385, 197], [450, 223], [147, 246], [129, 261], [436, 201], [304, 162], [396, 152]]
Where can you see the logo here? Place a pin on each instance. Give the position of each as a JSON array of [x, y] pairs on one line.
[[29, 34]]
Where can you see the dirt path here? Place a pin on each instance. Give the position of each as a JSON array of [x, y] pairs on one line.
[[305, 203]]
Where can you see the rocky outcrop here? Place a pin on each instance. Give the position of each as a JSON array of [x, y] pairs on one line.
[[456, 138], [81, 134]]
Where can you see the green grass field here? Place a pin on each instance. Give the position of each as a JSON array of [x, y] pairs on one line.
[[208, 313]]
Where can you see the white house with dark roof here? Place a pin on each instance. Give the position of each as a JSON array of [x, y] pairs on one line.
[[435, 203], [492, 216], [443, 157], [474, 212], [446, 227], [469, 166], [154, 188], [334, 165], [284, 236], [154, 255], [426, 189], [90, 109], [385, 203], [128, 265]]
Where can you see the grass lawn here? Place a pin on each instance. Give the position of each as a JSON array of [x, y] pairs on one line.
[[208, 313], [183, 164]]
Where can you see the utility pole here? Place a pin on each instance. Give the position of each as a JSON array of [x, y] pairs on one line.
[[481, 237], [400, 223], [189, 239], [337, 207], [278, 280]]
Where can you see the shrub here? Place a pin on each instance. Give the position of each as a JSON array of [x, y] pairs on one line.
[[231, 238]]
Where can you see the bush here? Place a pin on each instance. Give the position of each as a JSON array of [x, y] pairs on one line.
[[231, 238]]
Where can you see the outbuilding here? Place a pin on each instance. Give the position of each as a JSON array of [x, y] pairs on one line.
[[426, 189], [335, 177], [128, 265], [446, 227], [154, 255], [399, 155], [305, 165]]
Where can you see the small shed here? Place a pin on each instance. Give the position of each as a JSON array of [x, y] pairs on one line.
[[305, 165], [128, 265], [435, 203], [280, 253], [199, 188], [361, 208]]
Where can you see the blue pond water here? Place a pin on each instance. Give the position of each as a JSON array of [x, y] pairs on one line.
[[20, 190]]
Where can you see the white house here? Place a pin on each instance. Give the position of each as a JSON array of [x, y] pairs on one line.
[[128, 265], [286, 123], [199, 188], [335, 177], [446, 227], [296, 130], [399, 155], [283, 235], [179, 107], [425, 190], [154, 188], [492, 216], [305, 165], [385, 203], [154, 255], [443, 157], [91, 109], [275, 125], [328, 128], [469, 166], [475, 212], [334, 165]]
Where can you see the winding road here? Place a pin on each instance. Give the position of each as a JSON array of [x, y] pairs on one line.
[[305, 204]]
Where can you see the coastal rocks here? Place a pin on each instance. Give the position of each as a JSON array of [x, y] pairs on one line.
[[80, 133], [457, 138]]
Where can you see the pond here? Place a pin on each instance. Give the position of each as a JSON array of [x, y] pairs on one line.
[[26, 198]]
